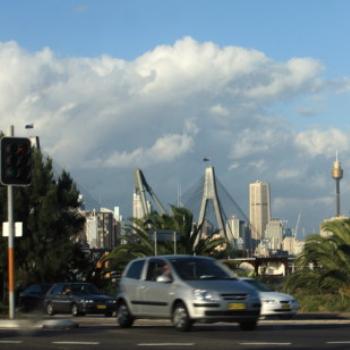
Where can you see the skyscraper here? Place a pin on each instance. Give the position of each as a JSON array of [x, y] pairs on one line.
[[259, 208]]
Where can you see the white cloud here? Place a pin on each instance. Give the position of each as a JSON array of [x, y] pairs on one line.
[[165, 149], [323, 142], [169, 107]]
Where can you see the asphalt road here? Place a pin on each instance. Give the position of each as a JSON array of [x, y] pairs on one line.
[[99, 333]]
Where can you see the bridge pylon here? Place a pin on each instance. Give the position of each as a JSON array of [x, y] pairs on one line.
[[210, 193]]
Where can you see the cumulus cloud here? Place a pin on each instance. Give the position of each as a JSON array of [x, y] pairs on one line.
[[166, 149], [323, 142], [169, 107]]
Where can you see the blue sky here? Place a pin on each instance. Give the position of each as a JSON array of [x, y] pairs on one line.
[[296, 83]]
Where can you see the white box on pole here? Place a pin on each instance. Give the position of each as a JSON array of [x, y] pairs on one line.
[[18, 229]]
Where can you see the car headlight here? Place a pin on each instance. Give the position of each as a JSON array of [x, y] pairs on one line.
[[205, 295], [269, 301]]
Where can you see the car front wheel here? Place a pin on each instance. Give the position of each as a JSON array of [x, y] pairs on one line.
[[75, 310], [181, 319], [49, 309], [124, 316]]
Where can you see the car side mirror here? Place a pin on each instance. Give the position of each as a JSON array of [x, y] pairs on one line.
[[164, 279]]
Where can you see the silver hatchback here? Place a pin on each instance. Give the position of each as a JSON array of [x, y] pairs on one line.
[[185, 289]]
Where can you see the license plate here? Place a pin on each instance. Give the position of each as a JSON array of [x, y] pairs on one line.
[[236, 306], [285, 307], [101, 307]]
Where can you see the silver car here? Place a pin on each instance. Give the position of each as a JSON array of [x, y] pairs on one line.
[[185, 289], [274, 303]]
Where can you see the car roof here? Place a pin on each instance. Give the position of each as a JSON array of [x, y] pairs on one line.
[[172, 257]]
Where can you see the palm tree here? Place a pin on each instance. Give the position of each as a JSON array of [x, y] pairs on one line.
[[328, 257], [140, 241]]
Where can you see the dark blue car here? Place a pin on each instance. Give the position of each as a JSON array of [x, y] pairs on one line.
[[78, 299]]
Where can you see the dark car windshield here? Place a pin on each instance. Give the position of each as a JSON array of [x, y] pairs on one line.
[[198, 269], [84, 289], [261, 287]]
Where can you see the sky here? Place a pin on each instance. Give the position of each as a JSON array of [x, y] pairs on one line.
[[260, 87]]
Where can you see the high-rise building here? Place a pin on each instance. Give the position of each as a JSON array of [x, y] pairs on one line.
[[259, 209], [274, 234]]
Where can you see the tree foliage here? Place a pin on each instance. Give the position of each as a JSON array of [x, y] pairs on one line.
[[324, 263], [48, 208], [140, 241]]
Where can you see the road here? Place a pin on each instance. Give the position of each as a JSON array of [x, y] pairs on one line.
[[99, 333]]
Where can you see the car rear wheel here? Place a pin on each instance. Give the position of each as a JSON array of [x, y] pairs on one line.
[[49, 309], [124, 316], [181, 319], [248, 325]]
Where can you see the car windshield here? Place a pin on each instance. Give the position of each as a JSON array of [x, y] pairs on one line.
[[261, 287], [84, 289], [199, 269]]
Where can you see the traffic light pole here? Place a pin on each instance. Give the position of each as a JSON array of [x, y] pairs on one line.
[[11, 255]]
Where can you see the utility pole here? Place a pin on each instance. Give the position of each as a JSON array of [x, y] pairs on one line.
[[11, 250]]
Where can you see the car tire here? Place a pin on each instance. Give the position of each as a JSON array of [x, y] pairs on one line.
[[75, 310], [124, 316], [49, 309], [248, 325], [181, 319]]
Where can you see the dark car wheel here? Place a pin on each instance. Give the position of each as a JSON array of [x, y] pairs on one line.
[[124, 316], [181, 319], [248, 325], [75, 310], [49, 309]]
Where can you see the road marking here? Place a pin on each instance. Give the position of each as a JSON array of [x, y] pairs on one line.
[[264, 343], [339, 342], [76, 342], [10, 341], [166, 344]]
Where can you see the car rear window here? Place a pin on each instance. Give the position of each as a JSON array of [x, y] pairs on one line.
[[135, 269]]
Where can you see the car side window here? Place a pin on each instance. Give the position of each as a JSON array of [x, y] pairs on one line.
[[34, 289], [156, 268], [135, 270], [56, 290]]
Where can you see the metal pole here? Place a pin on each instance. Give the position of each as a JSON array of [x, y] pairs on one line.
[[337, 183], [11, 255], [155, 241], [174, 242]]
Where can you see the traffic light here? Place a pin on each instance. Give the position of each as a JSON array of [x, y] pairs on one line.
[[16, 161]]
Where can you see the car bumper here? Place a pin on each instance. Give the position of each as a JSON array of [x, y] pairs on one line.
[[224, 311], [277, 309], [98, 308]]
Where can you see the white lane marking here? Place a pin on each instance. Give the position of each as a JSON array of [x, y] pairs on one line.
[[10, 341], [264, 343], [166, 344], [339, 342], [76, 342]]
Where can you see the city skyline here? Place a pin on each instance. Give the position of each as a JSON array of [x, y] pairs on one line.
[[122, 85]]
